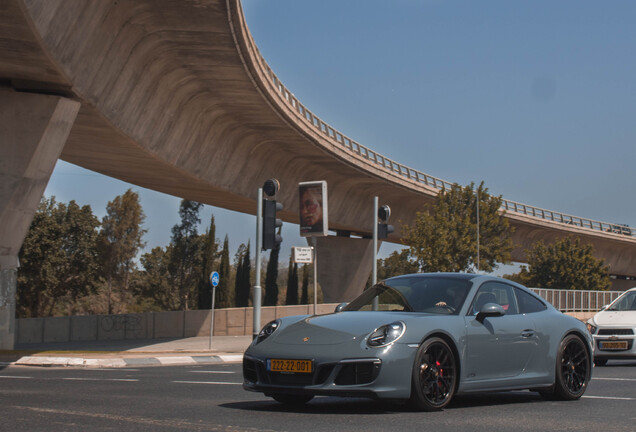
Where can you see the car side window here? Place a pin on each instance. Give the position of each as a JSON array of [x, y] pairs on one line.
[[495, 292], [528, 303]]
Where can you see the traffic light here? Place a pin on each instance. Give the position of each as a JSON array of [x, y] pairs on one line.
[[384, 229], [270, 223]]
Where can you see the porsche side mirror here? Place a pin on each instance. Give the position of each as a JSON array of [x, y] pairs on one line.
[[490, 310], [340, 307]]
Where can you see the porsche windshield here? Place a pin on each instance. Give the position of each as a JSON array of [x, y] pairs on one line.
[[441, 295], [625, 303]]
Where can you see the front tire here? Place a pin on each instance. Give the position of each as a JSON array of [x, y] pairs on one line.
[[573, 369], [434, 376]]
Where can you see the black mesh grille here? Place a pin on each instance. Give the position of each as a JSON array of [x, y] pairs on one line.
[[323, 373], [357, 373], [622, 332], [249, 370]]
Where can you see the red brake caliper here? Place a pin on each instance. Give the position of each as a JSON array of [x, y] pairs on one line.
[[441, 374]]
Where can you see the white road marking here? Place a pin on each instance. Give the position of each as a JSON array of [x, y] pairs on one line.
[[607, 397], [614, 379], [214, 372], [15, 377], [207, 382], [101, 379]]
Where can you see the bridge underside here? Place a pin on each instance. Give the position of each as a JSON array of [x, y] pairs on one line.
[[174, 97]]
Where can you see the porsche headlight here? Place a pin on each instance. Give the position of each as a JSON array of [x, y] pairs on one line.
[[386, 335], [591, 327], [269, 328]]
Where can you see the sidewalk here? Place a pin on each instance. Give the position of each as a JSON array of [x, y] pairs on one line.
[[127, 353]]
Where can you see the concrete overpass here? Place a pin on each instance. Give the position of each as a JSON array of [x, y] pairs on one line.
[[173, 95]]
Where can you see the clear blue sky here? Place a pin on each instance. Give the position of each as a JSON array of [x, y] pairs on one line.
[[537, 99]]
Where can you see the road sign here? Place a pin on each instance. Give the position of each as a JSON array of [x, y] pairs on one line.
[[302, 255], [214, 278]]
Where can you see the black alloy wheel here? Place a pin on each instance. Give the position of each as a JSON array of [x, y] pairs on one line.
[[434, 375], [572, 369]]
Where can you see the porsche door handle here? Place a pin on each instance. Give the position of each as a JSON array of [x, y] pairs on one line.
[[527, 333]]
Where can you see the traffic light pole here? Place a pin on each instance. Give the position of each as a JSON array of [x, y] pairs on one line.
[[256, 299], [374, 276]]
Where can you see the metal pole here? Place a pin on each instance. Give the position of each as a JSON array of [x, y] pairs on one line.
[[212, 316], [374, 277], [478, 230], [315, 242], [256, 300]]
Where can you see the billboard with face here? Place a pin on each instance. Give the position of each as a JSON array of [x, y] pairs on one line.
[[313, 208]]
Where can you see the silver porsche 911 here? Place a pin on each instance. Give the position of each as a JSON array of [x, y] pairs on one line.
[[424, 338]]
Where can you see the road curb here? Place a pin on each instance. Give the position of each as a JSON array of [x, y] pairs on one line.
[[121, 362]]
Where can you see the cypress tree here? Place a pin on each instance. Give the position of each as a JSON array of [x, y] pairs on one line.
[[304, 298], [292, 284], [209, 257], [271, 276], [238, 283], [223, 294]]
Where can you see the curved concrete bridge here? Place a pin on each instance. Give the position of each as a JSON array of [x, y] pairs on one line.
[[173, 95]]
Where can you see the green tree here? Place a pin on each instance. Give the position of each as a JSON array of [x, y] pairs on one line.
[[396, 264], [58, 259], [240, 299], [565, 264], [156, 282], [271, 277], [444, 237], [209, 256], [224, 298], [291, 297], [119, 242], [304, 296], [185, 259]]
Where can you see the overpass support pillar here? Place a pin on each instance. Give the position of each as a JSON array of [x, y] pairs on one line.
[[33, 130], [344, 266]]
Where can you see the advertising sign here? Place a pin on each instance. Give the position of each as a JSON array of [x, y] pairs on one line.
[[313, 208]]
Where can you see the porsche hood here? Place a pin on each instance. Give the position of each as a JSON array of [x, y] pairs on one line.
[[335, 328]]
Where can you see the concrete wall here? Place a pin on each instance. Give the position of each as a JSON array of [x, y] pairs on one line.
[[152, 325], [158, 325]]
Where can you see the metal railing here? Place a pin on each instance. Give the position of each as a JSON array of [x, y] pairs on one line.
[[394, 168], [577, 301]]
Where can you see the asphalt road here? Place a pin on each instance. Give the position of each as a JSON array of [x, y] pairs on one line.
[[211, 398]]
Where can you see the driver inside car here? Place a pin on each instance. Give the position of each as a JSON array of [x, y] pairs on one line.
[[453, 299]]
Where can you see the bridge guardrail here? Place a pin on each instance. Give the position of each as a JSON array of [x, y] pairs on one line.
[[412, 174], [577, 300]]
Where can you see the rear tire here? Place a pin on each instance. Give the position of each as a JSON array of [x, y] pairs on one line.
[[292, 399], [434, 376], [573, 369]]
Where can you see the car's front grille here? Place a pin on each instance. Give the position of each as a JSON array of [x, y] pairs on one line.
[[358, 373], [617, 332], [249, 370]]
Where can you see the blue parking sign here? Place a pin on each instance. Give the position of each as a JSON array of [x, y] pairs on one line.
[[214, 278]]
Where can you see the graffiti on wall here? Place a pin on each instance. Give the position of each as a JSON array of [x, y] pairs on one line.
[[130, 324]]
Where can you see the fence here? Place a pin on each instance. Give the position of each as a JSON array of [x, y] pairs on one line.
[[577, 301]]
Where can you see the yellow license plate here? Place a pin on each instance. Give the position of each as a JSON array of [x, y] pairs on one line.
[[613, 345], [289, 365]]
